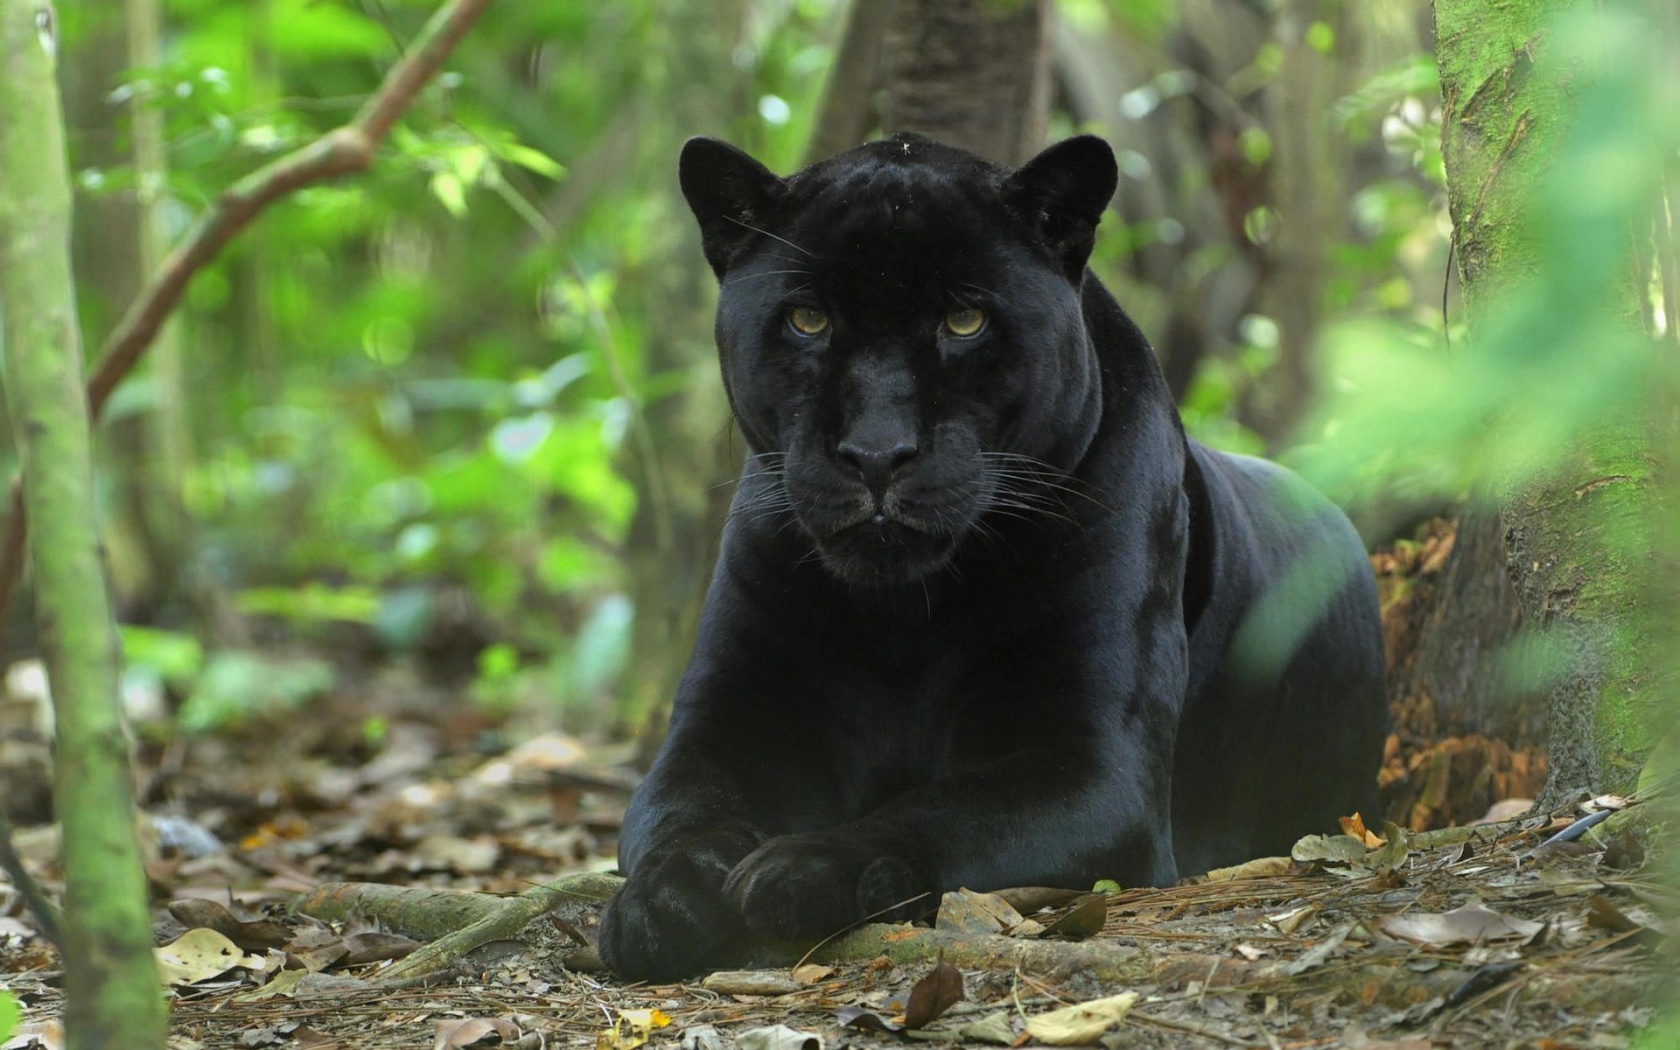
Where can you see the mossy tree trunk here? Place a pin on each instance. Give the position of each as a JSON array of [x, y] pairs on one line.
[[114, 999], [1510, 102]]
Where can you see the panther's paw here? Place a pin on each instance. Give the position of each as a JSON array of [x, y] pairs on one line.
[[803, 887], [670, 918]]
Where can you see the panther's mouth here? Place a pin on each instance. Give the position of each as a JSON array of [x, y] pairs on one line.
[[882, 547]]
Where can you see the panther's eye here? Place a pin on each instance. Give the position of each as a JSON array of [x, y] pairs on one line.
[[965, 323], [807, 321]]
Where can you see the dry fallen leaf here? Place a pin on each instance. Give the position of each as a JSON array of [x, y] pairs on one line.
[[778, 1037], [1471, 924], [283, 983], [866, 1020], [750, 982], [48, 1035], [939, 990], [196, 913], [200, 954], [463, 856], [966, 911], [457, 1033], [993, 1028], [631, 1029], [1084, 919], [1028, 899], [1396, 846], [376, 946], [1354, 827], [1082, 1023], [702, 1037], [1259, 868], [1328, 849], [1291, 920]]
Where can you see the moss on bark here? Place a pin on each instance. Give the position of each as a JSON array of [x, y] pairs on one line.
[[1581, 538], [114, 998]]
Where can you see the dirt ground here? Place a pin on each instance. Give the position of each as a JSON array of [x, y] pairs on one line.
[[1475, 937]]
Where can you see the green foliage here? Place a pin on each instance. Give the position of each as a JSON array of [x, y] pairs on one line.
[[236, 686], [1661, 1034], [422, 380], [11, 1014], [1549, 361], [1566, 394], [166, 656]]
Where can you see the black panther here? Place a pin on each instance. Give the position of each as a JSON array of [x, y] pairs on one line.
[[982, 615]]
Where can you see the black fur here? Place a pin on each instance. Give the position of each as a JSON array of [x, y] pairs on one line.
[[983, 616]]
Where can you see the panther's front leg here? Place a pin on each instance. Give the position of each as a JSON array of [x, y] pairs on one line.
[[811, 885], [1034, 817], [672, 918]]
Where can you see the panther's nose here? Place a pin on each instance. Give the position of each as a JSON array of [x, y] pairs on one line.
[[876, 463]]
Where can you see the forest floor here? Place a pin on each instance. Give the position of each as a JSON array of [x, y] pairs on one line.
[[1395, 936]]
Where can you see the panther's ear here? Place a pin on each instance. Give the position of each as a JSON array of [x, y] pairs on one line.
[[1061, 193], [728, 192]]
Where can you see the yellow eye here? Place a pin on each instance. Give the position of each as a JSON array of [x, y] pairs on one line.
[[964, 323], [807, 321]]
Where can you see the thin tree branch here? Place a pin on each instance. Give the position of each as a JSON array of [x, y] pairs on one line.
[[35, 900], [342, 151]]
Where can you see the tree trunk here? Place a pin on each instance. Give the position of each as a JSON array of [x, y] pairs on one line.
[[110, 977], [1308, 179], [850, 102], [682, 456], [168, 446], [1578, 537], [116, 243], [1447, 681], [973, 73]]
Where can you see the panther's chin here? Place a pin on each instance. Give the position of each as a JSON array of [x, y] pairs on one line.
[[882, 552]]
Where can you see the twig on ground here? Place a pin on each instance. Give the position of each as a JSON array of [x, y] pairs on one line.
[[35, 900], [487, 918]]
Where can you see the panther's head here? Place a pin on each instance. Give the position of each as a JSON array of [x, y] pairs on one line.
[[902, 339]]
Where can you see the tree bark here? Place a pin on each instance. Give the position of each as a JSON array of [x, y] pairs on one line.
[[1571, 534], [683, 458], [168, 444], [111, 980], [850, 102], [973, 73], [1448, 676]]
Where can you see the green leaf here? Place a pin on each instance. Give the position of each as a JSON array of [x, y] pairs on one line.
[[175, 658], [533, 159], [311, 603], [11, 1015], [469, 162], [238, 685], [1321, 37], [497, 663], [308, 29], [447, 187]]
